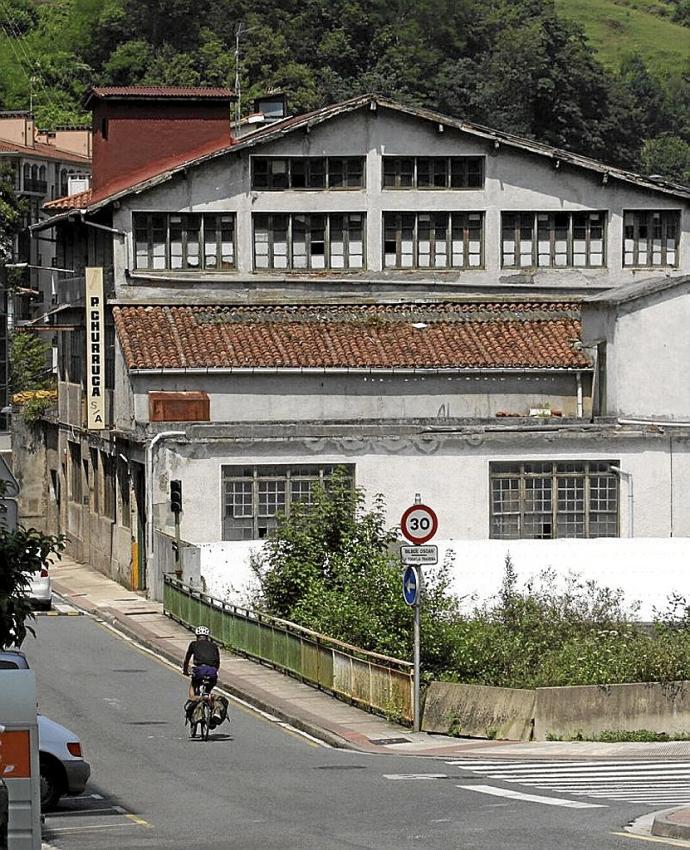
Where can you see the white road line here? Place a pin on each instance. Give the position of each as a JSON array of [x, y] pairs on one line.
[[531, 798], [415, 776], [530, 765]]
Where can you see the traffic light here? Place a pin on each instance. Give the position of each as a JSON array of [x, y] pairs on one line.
[[176, 496]]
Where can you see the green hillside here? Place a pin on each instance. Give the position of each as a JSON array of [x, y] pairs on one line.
[[618, 28]]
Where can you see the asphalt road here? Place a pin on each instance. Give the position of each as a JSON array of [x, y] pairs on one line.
[[257, 784]]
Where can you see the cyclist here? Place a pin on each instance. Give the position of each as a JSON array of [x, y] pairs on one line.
[[205, 664]]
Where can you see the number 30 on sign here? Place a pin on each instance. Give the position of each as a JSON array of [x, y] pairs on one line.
[[419, 523]]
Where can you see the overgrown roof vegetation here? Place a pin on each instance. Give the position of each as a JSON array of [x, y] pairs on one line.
[[515, 65]]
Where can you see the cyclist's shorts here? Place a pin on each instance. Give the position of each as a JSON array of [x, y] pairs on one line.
[[202, 672]]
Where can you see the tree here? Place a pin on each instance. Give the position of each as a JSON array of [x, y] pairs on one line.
[[329, 567], [22, 552], [11, 213], [29, 363], [668, 156]]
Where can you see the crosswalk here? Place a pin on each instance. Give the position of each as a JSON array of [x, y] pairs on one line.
[[661, 783]]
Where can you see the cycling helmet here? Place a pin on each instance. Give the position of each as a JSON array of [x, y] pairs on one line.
[[201, 630]]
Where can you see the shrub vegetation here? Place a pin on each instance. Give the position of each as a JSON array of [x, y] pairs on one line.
[[331, 567]]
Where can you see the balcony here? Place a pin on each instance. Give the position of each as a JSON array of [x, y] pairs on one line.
[[35, 187]]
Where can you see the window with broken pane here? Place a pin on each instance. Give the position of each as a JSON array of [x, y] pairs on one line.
[[433, 172], [309, 241], [307, 172], [553, 239], [650, 237], [254, 497], [184, 241], [439, 240], [548, 500]]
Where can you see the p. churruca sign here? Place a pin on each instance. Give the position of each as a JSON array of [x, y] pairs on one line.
[[95, 349]]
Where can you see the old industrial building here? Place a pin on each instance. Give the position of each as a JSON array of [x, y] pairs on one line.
[[440, 307]]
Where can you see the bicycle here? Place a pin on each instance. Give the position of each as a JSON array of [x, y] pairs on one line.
[[201, 715]]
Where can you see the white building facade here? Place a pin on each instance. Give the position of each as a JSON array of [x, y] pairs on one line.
[[386, 289]]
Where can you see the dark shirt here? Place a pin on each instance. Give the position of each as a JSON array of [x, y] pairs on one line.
[[204, 652]]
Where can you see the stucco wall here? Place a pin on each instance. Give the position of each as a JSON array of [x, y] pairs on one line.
[[514, 181], [651, 353], [450, 471], [266, 398]]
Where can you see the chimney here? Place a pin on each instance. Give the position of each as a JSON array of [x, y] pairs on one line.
[[141, 131]]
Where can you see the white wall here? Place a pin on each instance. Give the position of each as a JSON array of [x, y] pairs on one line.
[[647, 570], [451, 471]]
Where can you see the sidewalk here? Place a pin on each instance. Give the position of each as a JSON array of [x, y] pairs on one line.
[[307, 709]]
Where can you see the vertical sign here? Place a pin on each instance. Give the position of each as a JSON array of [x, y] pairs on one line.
[[95, 349]]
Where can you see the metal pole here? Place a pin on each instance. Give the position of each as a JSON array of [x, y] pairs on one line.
[[417, 723], [178, 564]]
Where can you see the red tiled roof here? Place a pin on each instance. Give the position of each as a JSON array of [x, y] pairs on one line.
[[440, 336], [160, 91], [42, 151], [72, 202]]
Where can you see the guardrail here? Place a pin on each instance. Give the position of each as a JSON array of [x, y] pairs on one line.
[[376, 682]]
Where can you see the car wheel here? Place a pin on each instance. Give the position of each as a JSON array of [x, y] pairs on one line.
[[51, 787]]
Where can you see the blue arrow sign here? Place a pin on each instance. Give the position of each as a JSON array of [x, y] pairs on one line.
[[410, 586]]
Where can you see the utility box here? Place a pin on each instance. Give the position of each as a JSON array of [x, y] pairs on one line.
[[19, 766]]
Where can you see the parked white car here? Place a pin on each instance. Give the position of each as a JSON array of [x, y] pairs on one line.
[[63, 768], [41, 589]]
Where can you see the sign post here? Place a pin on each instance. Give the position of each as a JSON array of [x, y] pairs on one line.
[[418, 524]]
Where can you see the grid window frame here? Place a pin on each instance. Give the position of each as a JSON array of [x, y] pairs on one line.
[[554, 239], [433, 173], [547, 500], [408, 240], [164, 241], [308, 173], [252, 497], [642, 230], [305, 249]]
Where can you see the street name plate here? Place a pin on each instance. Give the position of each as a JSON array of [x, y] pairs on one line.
[[416, 555]]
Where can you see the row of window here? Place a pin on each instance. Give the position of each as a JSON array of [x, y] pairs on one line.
[[543, 500], [336, 241], [106, 478], [331, 172]]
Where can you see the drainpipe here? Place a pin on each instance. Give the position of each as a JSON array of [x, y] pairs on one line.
[[631, 499], [149, 488], [578, 379]]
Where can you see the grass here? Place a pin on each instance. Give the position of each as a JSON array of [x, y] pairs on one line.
[[618, 28]]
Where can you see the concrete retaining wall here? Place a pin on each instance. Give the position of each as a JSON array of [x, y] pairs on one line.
[[479, 711], [517, 714], [591, 709]]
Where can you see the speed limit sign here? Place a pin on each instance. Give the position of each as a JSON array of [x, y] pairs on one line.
[[419, 523]]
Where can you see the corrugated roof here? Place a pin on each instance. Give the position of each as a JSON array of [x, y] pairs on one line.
[[441, 336]]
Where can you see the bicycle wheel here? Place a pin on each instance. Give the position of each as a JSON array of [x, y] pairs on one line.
[[205, 721]]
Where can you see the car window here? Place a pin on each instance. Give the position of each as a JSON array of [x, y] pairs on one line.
[[8, 665]]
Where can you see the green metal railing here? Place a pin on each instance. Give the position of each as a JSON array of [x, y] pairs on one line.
[[376, 682]]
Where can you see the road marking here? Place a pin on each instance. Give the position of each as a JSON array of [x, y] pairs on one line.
[[118, 825], [415, 776], [653, 839], [659, 783], [531, 798], [139, 821]]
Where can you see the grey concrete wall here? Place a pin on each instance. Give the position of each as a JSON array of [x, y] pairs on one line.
[[547, 713], [592, 709], [515, 180], [266, 398], [478, 711], [30, 469]]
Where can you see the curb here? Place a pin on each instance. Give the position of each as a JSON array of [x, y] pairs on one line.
[[672, 823], [111, 617]]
